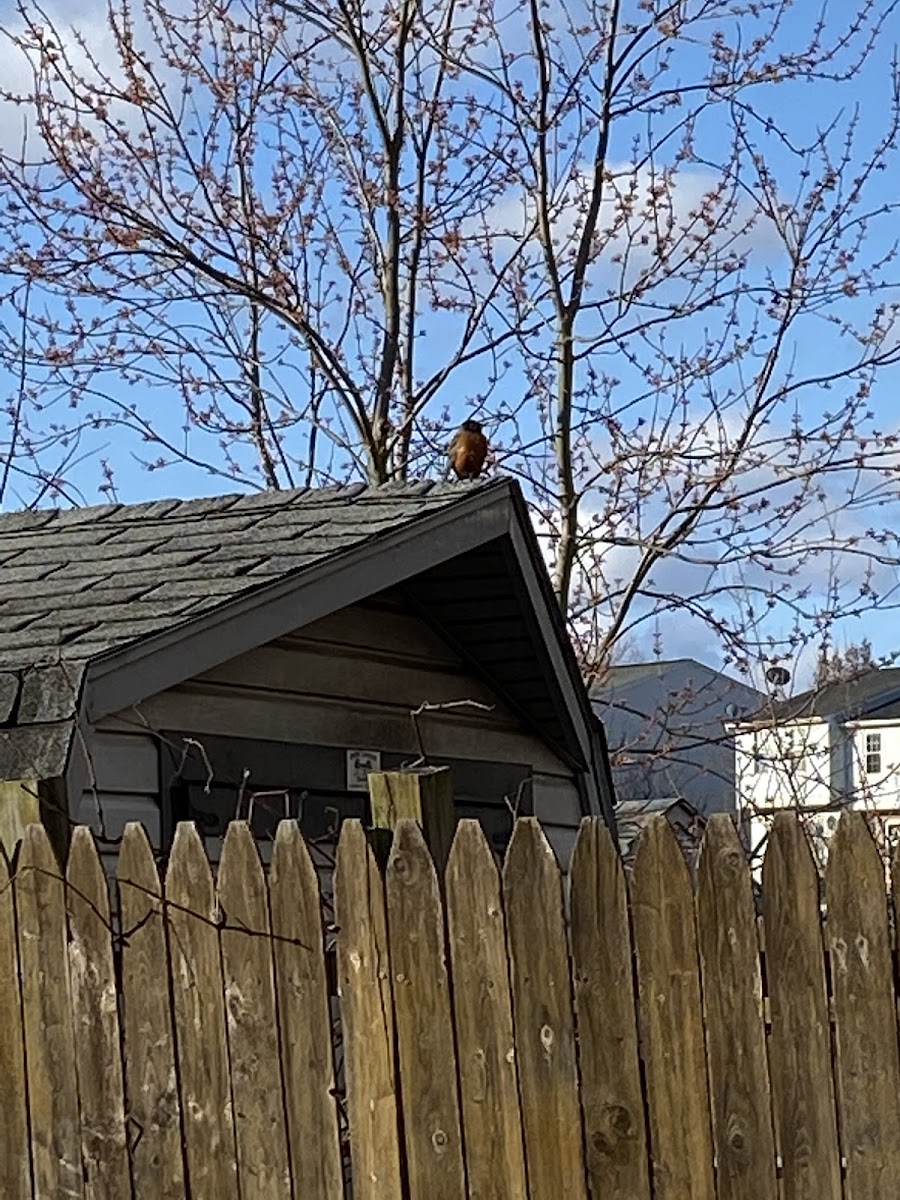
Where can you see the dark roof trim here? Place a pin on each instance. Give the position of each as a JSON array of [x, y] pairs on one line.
[[597, 789], [555, 637], [774, 718], [127, 675]]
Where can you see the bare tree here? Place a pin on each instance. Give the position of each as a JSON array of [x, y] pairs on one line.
[[835, 665], [289, 243]]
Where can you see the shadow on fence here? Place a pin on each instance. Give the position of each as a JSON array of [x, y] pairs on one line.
[[495, 1047]]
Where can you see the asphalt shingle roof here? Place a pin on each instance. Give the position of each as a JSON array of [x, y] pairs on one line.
[[77, 583], [850, 697]]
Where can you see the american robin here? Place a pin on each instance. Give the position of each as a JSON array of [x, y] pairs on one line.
[[468, 450]]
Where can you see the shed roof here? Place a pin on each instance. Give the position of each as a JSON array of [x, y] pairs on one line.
[[85, 580], [98, 602]]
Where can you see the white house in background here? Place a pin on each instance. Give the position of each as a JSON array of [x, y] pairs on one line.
[[830, 748]]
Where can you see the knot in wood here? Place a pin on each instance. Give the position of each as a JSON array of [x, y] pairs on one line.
[[440, 1141]]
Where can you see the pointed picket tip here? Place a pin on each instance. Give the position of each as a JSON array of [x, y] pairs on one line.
[[240, 855], [35, 850], [472, 879], [189, 874], [594, 844], [658, 850], [137, 876], [722, 855], [788, 852], [83, 854], [410, 859], [239, 838], [85, 873], [353, 847], [241, 885], [136, 860], [470, 846], [529, 846], [291, 856], [853, 848], [721, 834]]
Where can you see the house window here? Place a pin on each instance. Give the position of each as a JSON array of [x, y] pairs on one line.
[[790, 746], [873, 753]]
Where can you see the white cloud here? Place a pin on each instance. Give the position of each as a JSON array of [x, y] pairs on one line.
[[642, 210], [87, 50]]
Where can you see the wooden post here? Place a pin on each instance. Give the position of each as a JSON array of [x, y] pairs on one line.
[[423, 794]]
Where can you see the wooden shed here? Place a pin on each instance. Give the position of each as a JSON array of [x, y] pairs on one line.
[[255, 656]]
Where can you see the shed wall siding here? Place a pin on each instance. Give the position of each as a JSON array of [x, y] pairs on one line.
[[348, 680], [123, 785]]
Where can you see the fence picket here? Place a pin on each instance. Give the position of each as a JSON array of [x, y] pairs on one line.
[[199, 1010], [15, 1157], [249, 977], [867, 1060], [671, 1020], [96, 1023], [740, 1098], [543, 1016], [47, 1018], [611, 1099], [304, 1019], [421, 989], [492, 1121], [368, 1016], [800, 1042], [519, 1069], [154, 1116]]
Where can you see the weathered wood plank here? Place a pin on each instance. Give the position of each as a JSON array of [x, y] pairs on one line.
[[47, 1012], [423, 1019], [800, 1040], [248, 973], [492, 1120], [154, 1115], [611, 1097], [304, 1019], [95, 1018], [368, 1018], [671, 1018], [15, 1154], [199, 1010], [543, 1016], [867, 1061], [735, 1028]]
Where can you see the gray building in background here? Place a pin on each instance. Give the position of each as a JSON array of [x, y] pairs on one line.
[[665, 726]]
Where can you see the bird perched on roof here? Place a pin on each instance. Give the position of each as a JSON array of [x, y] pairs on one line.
[[468, 450]]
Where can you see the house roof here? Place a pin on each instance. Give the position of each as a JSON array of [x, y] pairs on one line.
[[665, 723], [625, 673], [847, 698], [663, 678], [631, 810], [98, 602]]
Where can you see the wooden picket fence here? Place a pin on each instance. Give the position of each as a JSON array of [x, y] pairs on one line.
[[500, 1044]]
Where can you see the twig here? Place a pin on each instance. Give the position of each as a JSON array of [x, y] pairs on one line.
[[427, 706]]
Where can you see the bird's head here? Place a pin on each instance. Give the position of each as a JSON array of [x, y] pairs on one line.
[[471, 426]]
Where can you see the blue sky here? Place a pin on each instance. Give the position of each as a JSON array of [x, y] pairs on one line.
[[798, 109]]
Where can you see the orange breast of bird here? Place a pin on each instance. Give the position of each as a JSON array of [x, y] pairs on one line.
[[468, 452]]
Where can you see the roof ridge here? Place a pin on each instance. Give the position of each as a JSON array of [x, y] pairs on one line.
[[26, 519]]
